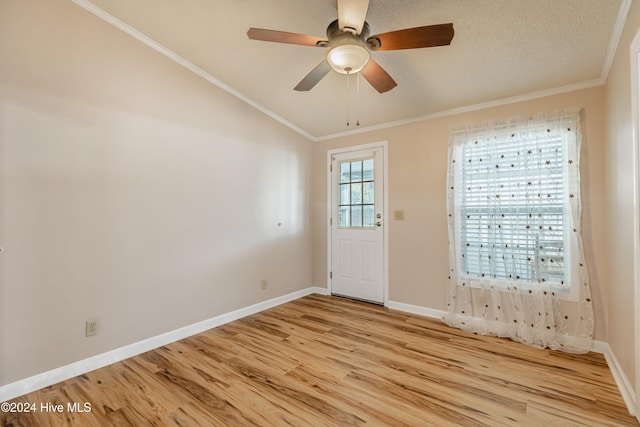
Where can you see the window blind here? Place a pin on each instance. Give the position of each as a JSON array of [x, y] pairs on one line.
[[511, 200]]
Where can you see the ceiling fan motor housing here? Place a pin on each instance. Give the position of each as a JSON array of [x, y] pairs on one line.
[[333, 31], [348, 52]]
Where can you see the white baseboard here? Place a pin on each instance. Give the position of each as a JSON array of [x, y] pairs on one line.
[[416, 309], [600, 347], [624, 386], [321, 291], [623, 383], [45, 379]]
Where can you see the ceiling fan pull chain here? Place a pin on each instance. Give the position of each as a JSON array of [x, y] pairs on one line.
[[357, 97], [348, 98]]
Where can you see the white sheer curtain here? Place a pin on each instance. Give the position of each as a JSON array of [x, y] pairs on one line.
[[516, 256]]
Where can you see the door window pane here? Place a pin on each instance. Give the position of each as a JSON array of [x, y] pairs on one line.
[[345, 194], [367, 170], [367, 216], [356, 194], [367, 192], [356, 216], [356, 171], [344, 219], [345, 172]]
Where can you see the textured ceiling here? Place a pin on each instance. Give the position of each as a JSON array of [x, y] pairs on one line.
[[501, 49]]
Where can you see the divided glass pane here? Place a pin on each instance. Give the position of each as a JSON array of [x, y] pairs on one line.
[[345, 194], [356, 216], [356, 171], [367, 192], [367, 170], [356, 194], [367, 216], [345, 172], [344, 219]]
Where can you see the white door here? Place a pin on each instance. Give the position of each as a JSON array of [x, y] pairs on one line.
[[357, 224]]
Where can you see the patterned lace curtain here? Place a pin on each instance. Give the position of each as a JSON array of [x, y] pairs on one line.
[[516, 254]]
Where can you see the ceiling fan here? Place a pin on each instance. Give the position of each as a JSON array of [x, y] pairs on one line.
[[349, 42]]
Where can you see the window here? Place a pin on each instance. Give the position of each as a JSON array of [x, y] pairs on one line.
[[512, 223], [511, 193], [356, 192], [517, 266]]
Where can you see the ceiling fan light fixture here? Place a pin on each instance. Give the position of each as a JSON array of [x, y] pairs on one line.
[[348, 58]]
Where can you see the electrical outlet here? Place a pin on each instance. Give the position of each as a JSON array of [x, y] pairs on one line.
[[91, 327], [263, 284]]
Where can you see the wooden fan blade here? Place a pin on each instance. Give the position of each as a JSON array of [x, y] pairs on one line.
[[352, 13], [378, 77], [312, 79], [412, 38], [283, 37]]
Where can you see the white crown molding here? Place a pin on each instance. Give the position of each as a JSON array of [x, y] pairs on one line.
[[90, 7], [45, 379], [470, 108], [623, 13]]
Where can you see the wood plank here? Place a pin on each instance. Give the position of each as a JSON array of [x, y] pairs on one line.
[[330, 361]]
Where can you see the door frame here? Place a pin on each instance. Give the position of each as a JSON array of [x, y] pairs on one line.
[[383, 145], [634, 60]]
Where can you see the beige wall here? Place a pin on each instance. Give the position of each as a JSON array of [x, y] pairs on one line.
[[620, 197], [133, 191], [418, 245]]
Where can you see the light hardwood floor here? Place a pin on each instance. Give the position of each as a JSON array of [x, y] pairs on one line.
[[329, 361]]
